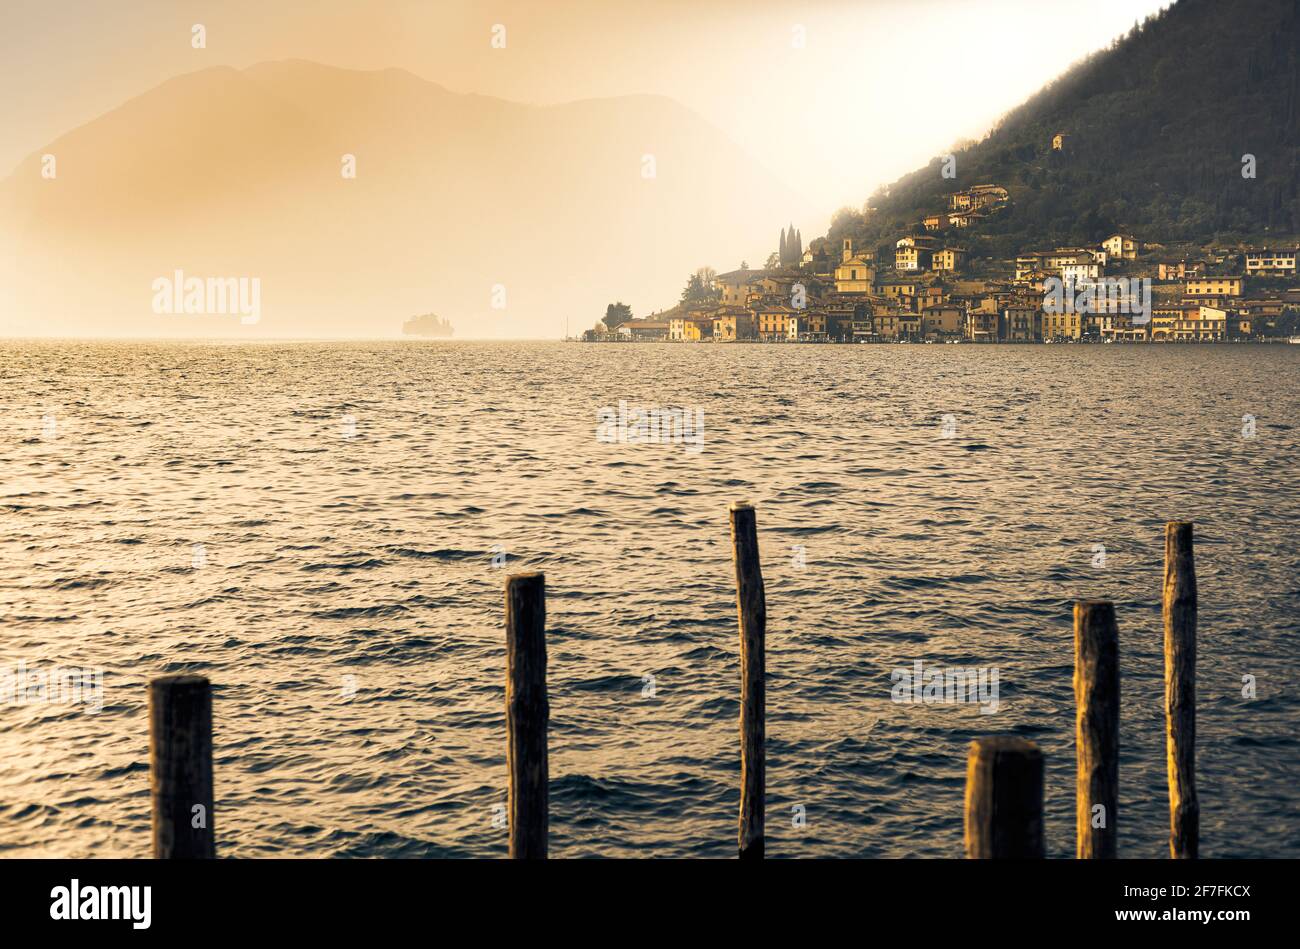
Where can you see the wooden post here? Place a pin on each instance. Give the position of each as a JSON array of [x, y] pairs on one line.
[[1180, 690], [180, 767], [1096, 733], [1004, 799], [527, 716], [751, 609]]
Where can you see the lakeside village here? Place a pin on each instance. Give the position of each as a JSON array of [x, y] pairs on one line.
[[1122, 290]]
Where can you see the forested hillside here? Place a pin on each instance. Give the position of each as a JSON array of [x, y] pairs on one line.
[[1158, 129]]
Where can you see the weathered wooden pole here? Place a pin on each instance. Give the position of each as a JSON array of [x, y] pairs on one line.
[[1096, 733], [751, 609], [527, 716], [1004, 799], [1180, 690], [180, 767]]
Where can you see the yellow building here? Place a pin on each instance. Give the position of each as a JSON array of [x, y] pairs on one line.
[[1216, 287], [1071, 256], [685, 329], [942, 320], [732, 324], [987, 196], [1164, 318], [911, 258], [1028, 266], [1180, 270], [949, 259], [966, 218], [1062, 326], [1122, 247], [1119, 327], [896, 325], [774, 321], [899, 289], [1205, 324], [854, 275], [1271, 261], [738, 286], [980, 196], [913, 253]]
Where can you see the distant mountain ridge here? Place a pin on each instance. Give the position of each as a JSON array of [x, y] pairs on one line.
[[1158, 127], [507, 218]]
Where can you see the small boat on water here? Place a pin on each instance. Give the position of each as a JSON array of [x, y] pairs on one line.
[[1294, 339]]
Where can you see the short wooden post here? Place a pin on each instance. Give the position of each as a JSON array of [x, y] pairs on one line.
[[1180, 690], [527, 716], [751, 609], [1004, 799], [180, 767], [1096, 733]]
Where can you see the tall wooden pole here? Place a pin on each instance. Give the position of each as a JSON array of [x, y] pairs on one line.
[[1004, 799], [751, 609], [1180, 690], [527, 716], [1096, 734], [180, 767]]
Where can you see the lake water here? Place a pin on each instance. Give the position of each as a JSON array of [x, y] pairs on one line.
[[319, 529]]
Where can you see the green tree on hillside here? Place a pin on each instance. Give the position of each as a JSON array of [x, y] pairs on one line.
[[616, 314], [701, 287]]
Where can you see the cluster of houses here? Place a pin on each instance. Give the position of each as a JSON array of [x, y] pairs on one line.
[[925, 293], [967, 208]]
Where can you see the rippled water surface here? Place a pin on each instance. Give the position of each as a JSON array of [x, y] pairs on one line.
[[326, 556]]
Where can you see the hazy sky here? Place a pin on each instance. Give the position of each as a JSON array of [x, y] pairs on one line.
[[878, 86]]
